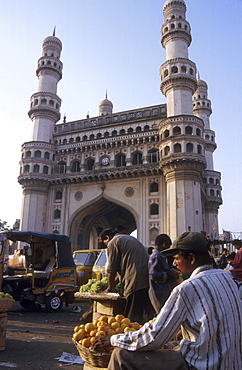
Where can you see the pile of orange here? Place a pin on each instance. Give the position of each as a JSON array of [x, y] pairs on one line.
[[105, 325]]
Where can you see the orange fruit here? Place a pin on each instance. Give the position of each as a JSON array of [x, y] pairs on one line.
[[100, 332], [93, 333], [135, 325], [79, 335], [119, 317], [102, 323], [115, 325], [103, 328], [119, 331], [111, 320], [76, 329], [110, 332], [89, 327], [86, 342], [92, 339], [126, 320], [104, 318]]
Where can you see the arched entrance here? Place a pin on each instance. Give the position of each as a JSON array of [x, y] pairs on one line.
[[90, 221]]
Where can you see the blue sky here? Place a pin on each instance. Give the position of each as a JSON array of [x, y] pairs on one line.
[[114, 45]]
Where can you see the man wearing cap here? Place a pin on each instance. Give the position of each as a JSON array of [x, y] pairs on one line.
[[206, 307]]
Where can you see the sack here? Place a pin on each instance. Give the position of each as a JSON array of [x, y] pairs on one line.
[[16, 261]]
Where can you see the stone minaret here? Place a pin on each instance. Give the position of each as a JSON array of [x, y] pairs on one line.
[[45, 104], [182, 144], [211, 179], [38, 155]]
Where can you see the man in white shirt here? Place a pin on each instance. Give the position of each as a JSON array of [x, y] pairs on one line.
[[206, 307]]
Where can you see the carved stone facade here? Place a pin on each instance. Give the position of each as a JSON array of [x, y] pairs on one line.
[[149, 169]]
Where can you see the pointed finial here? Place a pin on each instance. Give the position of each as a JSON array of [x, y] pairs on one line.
[[198, 75], [88, 114], [53, 34], [106, 94], [64, 118]]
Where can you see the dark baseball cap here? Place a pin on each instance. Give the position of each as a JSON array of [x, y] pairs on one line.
[[189, 241]]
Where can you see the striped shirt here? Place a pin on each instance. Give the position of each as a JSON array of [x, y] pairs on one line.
[[208, 309]]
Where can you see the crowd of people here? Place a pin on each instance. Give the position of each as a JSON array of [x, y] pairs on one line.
[[204, 309]]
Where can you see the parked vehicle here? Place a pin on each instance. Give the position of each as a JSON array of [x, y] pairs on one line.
[[99, 267], [44, 275], [84, 261]]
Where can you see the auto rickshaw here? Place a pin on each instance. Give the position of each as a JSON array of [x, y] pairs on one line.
[[44, 275], [84, 261], [99, 267]]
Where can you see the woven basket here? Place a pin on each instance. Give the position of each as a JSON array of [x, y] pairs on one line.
[[6, 304], [92, 358]]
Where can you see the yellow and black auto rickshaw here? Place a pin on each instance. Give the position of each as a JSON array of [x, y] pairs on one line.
[[44, 275]]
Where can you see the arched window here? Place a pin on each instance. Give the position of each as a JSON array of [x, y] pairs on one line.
[[146, 128], [153, 234], [47, 155], [90, 164], [177, 148], [37, 154], [71, 140], [28, 153], [138, 129], [188, 130], [57, 214], [154, 187], [122, 132], [154, 209], [166, 133], [166, 73], [51, 102], [212, 193], [167, 150], [198, 132], [45, 170], [177, 130], [183, 69], [84, 138], [174, 69], [62, 167], [58, 195], [211, 180], [199, 149], [120, 160], [26, 168], [189, 147], [78, 139], [137, 158], [130, 130], [99, 135], [36, 168], [217, 182], [191, 71], [43, 101], [106, 134], [114, 133], [75, 167], [154, 155]]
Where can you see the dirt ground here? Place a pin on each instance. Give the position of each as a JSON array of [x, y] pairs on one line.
[[35, 339]]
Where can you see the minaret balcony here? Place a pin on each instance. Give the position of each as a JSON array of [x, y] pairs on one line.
[[176, 28], [47, 64]]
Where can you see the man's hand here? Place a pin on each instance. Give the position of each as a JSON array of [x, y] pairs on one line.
[[102, 343]]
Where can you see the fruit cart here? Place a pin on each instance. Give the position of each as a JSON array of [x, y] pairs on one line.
[[109, 304]]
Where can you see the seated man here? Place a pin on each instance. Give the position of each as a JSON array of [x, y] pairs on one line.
[[206, 307]]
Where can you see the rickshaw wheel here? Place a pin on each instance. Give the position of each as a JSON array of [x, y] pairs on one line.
[[53, 302]]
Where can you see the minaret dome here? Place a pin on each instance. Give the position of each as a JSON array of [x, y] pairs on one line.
[[105, 107]]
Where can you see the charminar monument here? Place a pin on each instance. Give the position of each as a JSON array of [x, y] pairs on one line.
[[149, 169]]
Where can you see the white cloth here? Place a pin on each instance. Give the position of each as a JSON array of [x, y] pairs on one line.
[[208, 309]]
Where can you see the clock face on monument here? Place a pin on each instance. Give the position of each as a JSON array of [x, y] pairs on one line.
[[105, 161]]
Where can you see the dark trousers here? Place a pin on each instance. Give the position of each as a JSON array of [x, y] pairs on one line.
[[138, 304], [164, 359]]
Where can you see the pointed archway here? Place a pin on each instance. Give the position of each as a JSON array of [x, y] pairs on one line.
[[88, 223]]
